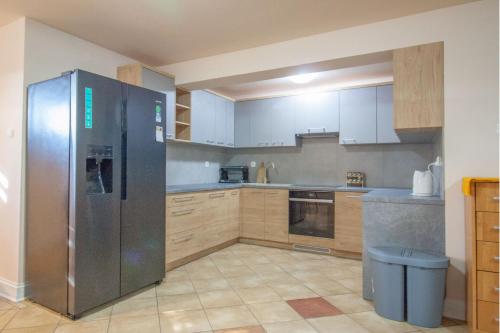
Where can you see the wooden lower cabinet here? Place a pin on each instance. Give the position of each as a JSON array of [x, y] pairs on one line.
[[348, 222], [482, 258], [264, 214]]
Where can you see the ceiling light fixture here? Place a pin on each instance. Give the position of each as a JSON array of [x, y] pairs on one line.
[[303, 78]]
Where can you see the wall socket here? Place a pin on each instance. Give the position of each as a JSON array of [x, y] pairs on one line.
[[207, 164], [253, 164]]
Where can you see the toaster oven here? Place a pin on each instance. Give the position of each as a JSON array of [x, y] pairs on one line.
[[233, 174]]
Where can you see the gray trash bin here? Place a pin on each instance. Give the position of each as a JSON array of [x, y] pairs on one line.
[[425, 275]]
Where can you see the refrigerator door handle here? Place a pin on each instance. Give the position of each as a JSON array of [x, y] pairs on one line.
[[124, 145]]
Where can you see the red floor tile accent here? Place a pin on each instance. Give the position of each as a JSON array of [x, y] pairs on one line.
[[249, 329], [313, 307]]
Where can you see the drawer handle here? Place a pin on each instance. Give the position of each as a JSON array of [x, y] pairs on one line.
[[183, 240], [234, 193], [497, 319], [496, 289], [496, 227], [496, 198], [216, 195], [496, 258], [182, 212], [183, 199], [353, 196]]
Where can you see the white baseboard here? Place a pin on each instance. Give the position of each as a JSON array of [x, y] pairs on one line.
[[454, 309], [12, 291]]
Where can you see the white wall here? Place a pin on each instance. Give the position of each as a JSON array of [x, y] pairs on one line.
[[11, 147], [470, 35], [48, 53]]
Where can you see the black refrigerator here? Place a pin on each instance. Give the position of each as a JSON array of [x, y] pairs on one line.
[[95, 191]]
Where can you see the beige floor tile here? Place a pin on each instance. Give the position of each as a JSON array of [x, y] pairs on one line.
[[354, 283], [273, 312], [284, 258], [258, 295], [278, 277], [339, 324], [174, 288], [148, 292], [102, 312], [293, 291], [97, 326], [255, 259], [350, 303], [135, 307], [142, 324], [176, 275], [377, 324], [327, 288], [230, 317], [266, 268], [5, 304], [37, 329], [298, 326], [184, 321], [292, 266], [179, 302], [339, 273], [210, 284], [234, 271], [33, 316], [206, 273], [307, 276], [199, 265], [6, 316], [307, 256], [246, 281], [450, 329], [227, 261], [219, 298]]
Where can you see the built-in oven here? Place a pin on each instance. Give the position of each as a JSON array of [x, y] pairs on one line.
[[312, 213]]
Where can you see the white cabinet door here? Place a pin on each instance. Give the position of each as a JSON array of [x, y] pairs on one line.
[[385, 122], [242, 114], [229, 123], [358, 116], [261, 123], [283, 121], [202, 117], [155, 81], [220, 120], [317, 113]]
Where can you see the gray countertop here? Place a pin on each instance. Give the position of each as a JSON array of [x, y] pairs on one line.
[[373, 194]]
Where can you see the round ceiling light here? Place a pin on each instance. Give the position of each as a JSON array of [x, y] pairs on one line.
[[303, 78]]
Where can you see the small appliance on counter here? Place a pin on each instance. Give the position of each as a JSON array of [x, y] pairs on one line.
[[425, 183], [355, 179], [233, 174]]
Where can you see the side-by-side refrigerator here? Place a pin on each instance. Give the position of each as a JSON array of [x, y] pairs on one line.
[[95, 191]]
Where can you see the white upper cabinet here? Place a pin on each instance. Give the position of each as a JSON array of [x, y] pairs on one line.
[[385, 123], [229, 123], [202, 117], [242, 113], [317, 113], [220, 121], [261, 125], [358, 116], [283, 121]]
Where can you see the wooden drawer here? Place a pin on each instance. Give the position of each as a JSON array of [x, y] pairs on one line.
[[276, 232], [487, 256], [253, 230], [183, 218], [487, 317], [487, 286], [216, 208], [183, 244], [175, 200], [487, 197], [487, 227]]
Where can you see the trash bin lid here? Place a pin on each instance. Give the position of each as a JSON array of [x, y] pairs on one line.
[[408, 256]]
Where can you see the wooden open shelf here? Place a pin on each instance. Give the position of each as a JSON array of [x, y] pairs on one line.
[[183, 115]]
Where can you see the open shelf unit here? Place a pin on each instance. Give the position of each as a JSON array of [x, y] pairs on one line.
[[183, 115]]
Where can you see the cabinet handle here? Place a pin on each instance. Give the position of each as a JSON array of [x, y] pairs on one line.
[[183, 212], [216, 195], [496, 227], [210, 141], [234, 193], [497, 319], [316, 130], [182, 240], [496, 258], [184, 199], [496, 289], [353, 196], [496, 198], [168, 135], [220, 143]]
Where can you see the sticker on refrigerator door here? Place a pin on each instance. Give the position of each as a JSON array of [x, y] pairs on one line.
[[88, 107], [159, 134], [158, 113]]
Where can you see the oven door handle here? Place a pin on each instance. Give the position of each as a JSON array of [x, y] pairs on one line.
[[325, 201]]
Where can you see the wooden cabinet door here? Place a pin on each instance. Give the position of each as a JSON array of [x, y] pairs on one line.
[[252, 213], [317, 113], [358, 116], [348, 222], [418, 87], [276, 215], [242, 113], [385, 123], [229, 123]]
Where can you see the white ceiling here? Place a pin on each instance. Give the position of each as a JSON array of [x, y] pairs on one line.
[[327, 80], [160, 32]]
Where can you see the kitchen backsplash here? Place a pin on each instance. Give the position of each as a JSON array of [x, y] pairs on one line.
[[315, 161]]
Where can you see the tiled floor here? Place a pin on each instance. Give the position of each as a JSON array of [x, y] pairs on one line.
[[241, 289]]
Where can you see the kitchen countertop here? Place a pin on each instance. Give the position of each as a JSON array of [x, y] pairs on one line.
[[373, 194]]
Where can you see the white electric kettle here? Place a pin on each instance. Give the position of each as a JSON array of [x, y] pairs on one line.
[[423, 180]]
